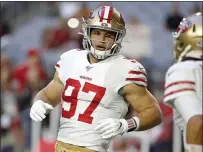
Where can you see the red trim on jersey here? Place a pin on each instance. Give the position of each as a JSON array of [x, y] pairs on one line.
[[102, 14], [136, 72], [136, 79], [179, 82], [110, 15], [57, 65], [177, 91]]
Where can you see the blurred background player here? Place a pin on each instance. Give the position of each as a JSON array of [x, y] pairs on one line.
[[183, 88], [96, 86]]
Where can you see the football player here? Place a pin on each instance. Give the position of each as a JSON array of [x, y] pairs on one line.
[[95, 87], [183, 87]]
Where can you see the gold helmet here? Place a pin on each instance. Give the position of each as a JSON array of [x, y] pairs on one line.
[[106, 18], [188, 38]]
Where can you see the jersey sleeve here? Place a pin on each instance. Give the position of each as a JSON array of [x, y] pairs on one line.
[[178, 83], [135, 73], [58, 67], [62, 64]]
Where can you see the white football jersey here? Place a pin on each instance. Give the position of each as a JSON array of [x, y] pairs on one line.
[[183, 79], [90, 95]]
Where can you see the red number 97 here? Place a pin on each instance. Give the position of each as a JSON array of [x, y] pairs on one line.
[[72, 99]]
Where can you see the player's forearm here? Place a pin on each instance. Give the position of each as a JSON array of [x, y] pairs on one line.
[[149, 118], [41, 95]]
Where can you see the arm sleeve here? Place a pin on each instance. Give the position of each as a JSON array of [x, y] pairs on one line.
[[178, 83], [188, 106]]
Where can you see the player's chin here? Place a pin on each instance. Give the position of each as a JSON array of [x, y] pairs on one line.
[[101, 49]]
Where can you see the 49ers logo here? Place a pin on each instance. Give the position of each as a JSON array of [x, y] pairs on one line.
[[185, 24], [91, 15]]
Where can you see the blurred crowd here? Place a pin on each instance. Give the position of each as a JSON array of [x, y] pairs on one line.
[[31, 43]]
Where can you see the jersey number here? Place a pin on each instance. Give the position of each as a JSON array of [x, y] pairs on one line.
[[72, 99]]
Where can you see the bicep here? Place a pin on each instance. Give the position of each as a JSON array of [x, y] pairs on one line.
[[139, 97], [54, 89]]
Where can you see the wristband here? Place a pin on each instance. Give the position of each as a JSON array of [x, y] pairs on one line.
[[133, 124], [137, 120]]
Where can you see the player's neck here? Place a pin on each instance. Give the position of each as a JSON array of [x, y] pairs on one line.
[[92, 59]]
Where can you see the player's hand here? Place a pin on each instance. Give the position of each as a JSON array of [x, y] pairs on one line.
[[110, 127], [39, 109]]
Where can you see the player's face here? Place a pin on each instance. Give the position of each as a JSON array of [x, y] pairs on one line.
[[102, 40]]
